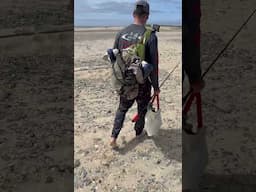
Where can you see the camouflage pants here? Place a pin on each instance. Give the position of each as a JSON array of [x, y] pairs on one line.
[[142, 100]]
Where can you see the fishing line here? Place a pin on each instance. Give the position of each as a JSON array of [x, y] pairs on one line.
[[167, 77], [221, 52]]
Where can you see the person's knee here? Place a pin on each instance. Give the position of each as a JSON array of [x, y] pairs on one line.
[[143, 112], [123, 109]]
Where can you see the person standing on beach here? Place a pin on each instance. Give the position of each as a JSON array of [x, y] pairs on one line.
[[191, 49], [194, 159], [125, 38], [191, 44]]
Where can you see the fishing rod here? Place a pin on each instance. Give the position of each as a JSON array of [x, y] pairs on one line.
[[167, 76], [221, 52]]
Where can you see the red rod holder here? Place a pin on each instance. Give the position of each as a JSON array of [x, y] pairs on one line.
[[137, 116]]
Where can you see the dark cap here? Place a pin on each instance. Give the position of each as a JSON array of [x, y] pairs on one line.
[[142, 5]]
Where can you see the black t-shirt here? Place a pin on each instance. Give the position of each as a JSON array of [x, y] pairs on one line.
[[130, 35]]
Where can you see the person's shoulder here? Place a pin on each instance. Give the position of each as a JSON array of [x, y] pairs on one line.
[[152, 39], [121, 31], [125, 28], [153, 36], [152, 31]]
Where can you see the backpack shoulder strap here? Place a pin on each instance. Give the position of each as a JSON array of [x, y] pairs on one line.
[[147, 34], [141, 47]]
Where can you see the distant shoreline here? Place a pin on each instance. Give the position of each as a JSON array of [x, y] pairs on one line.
[[115, 28], [120, 26]]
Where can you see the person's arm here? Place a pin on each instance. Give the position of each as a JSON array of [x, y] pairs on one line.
[[191, 43], [191, 20], [116, 43], [152, 58], [192, 66]]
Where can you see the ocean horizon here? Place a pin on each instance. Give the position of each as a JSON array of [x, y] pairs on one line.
[[105, 26]]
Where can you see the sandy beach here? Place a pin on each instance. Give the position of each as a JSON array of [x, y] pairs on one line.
[[228, 104], [140, 164]]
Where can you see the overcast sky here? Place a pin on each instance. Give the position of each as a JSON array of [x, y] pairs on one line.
[[119, 12]]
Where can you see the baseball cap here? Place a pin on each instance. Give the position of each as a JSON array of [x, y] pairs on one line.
[[142, 5]]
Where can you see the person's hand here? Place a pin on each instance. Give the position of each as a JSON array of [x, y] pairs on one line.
[[197, 86], [156, 92]]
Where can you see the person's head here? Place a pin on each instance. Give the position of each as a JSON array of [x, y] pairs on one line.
[[141, 12]]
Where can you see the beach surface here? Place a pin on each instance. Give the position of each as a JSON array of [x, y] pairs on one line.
[[229, 95], [145, 164]]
